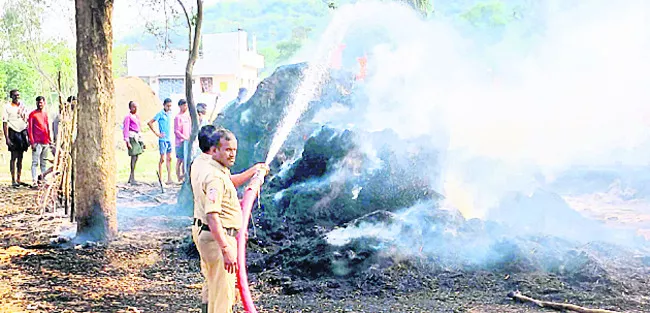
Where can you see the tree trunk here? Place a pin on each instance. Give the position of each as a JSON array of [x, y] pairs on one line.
[[95, 192], [189, 69]]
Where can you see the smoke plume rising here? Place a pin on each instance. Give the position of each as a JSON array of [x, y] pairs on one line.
[[563, 86]]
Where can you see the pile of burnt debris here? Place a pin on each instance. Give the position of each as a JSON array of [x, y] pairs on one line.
[[334, 217]]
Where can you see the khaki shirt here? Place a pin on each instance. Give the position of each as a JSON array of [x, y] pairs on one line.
[[214, 192]]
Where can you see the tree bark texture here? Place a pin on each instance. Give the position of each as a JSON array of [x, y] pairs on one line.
[[194, 54], [95, 192], [189, 69]]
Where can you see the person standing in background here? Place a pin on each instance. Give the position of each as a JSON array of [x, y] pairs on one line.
[[72, 100], [201, 110], [14, 126], [182, 129], [164, 134], [132, 138], [38, 129]]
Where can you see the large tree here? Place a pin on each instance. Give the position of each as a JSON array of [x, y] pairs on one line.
[[194, 25], [94, 159]]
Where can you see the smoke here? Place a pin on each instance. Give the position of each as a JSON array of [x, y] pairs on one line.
[[511, 107]]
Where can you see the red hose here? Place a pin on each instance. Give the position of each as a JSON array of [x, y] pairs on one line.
[[242, 276]]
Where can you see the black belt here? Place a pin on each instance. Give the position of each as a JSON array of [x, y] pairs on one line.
[[229, 231]]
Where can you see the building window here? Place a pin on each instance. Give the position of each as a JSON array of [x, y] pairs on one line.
[[170, 86], [206, 84]]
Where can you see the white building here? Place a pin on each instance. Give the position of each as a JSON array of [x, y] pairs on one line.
[[226, 63]]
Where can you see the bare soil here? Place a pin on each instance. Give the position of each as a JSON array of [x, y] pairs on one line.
[[146, 270]]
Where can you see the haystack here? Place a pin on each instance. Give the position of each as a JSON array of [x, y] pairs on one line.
[[135, 89]]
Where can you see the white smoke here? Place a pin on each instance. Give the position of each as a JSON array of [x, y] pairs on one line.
[[513, 115]]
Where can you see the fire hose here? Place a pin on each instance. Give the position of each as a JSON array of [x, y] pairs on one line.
[[250, 194]]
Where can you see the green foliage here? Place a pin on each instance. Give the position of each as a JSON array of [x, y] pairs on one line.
[[282, 27], [28, 61], [3, 81], [56, 57], [488, 14], [273, 22], [422, 6], [19, 75], [119, 60], [19, 26], [287, 48]]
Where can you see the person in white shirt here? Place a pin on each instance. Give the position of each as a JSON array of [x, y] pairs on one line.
[[14, 126]]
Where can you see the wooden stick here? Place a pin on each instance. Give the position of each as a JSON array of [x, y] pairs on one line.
[[214, 108], [72, 191], [160, 182], [556, 306], [60, 183]]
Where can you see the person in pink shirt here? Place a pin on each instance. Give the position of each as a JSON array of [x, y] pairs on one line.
[[132, 137], [182, 129]]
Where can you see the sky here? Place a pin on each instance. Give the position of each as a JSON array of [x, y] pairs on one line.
[[127, 15]]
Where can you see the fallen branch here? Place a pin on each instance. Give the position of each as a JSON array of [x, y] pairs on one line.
[[554, 305], [162, 189], [40, 246]]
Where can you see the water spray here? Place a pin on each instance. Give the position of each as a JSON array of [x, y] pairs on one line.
[[309, 88], [312, 80]]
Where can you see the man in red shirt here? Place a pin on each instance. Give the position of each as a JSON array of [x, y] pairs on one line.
[[38, 128]]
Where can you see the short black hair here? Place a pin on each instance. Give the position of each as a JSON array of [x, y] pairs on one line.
[[131, 103], [210, 136], [182, 101], [12, 92], [201, 108], [167, 100], [39, 98]]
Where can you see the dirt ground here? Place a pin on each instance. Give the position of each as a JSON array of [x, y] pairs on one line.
[[144, 270]]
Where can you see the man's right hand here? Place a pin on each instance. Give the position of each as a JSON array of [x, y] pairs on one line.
[[128, 145], [161, 135], [262, 168], [229, 259], [8, 141]]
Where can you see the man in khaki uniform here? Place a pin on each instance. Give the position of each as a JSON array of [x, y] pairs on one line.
[[217, 214]]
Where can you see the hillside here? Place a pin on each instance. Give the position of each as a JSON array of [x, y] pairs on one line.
[[283, 26]]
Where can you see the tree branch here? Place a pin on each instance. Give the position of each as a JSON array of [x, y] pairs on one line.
[[37, 64], [193, 55], [189, 22], [554, 305], [33, 56]]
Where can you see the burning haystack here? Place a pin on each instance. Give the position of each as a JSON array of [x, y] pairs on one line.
[[351, 207], [431, 172]]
